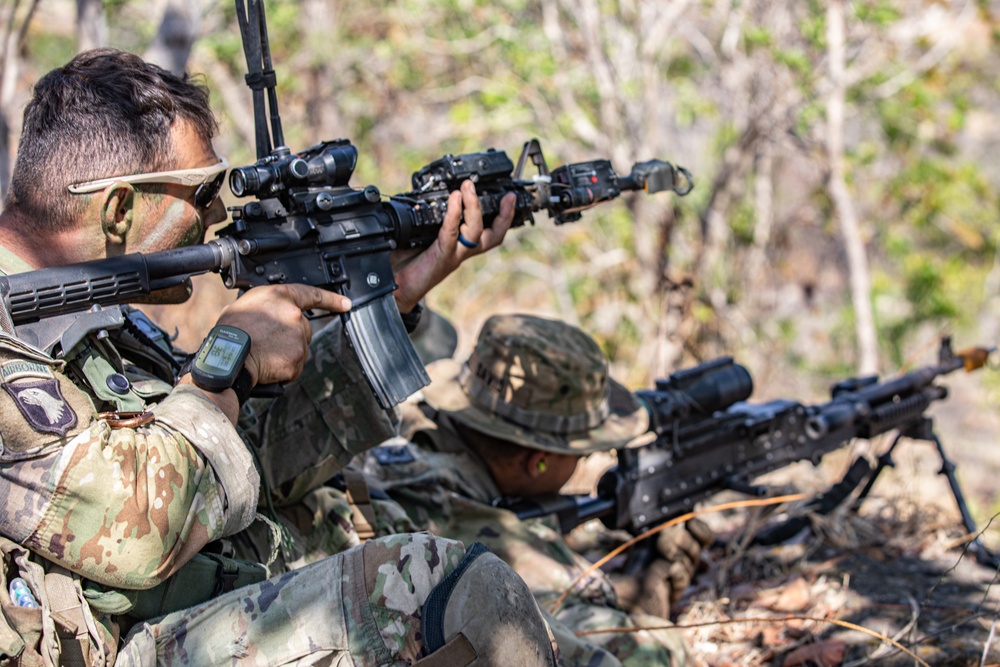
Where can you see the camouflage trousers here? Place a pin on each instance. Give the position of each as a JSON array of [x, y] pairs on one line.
[[320, 525], [642, 648], [361, 608]]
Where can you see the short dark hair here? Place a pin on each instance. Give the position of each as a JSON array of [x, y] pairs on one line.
[[105, 113]]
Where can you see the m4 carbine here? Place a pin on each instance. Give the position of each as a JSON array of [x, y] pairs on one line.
[[309, 226], [709, 440]]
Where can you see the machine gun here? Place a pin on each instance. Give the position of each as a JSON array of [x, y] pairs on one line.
[[307, 225], [698, 452]]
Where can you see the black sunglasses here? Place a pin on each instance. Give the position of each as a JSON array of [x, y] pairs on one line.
[[207, 193]]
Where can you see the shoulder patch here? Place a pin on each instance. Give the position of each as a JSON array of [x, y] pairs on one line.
[[42, 405], [41, 408]]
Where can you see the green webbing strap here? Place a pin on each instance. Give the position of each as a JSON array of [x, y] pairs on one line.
[[97, 369], [201, 579], [112, 601]]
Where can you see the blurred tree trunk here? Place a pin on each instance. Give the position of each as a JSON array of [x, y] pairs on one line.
[[850, 227], [14, 31], [91, 25], [321, 32], [763, 199], [178, 29]]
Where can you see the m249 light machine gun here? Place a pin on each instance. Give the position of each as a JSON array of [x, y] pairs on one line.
[[307, 225], [698, 452]]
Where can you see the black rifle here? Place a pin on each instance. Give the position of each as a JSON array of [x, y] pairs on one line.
[[698, 452], [309, 226]]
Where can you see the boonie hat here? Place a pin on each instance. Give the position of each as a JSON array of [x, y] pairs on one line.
[[538, 383]]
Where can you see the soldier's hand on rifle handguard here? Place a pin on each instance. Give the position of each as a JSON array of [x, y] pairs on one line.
[[462, 235], [663, 582]]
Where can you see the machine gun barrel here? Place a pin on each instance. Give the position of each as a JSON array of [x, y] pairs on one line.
[[709, 440], [863, 407]]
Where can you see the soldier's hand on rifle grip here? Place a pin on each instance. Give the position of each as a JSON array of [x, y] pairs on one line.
[[279, 333], [462, 235]]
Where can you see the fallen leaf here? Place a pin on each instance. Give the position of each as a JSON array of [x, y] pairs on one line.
[[772, 635], [828, 653], [794, 596]]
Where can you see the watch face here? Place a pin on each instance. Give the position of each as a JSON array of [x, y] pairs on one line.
[[220, 358], [223, 355]]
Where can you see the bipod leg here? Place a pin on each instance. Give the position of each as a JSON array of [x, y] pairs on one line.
[[976, 547], [829, 501], [884, 461]]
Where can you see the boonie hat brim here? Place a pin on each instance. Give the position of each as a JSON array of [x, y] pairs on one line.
[[627, 419]]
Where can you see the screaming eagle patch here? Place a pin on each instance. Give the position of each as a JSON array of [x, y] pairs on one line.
[[36, 393]]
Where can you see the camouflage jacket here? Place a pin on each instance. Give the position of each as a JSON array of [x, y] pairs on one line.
[[446, 489], [126, 504]]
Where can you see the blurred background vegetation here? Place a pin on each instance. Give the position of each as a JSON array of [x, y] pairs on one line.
[[843, 153]]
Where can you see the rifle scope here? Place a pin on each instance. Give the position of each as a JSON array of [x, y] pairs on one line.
[[327, 165], [699, 391]]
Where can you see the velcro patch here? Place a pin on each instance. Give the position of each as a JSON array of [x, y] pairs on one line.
[[42, 404]]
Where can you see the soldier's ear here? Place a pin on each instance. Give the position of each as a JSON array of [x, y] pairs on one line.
[[534, 464], [117, 202]]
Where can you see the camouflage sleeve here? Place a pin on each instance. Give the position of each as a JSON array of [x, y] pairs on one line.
[[122, 506], [198, 420], [320, 422]]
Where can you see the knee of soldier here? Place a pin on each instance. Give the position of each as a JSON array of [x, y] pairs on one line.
[[472, 608], [401, 570], [483, 614]]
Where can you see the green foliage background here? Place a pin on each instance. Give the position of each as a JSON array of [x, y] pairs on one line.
[[723, 88]]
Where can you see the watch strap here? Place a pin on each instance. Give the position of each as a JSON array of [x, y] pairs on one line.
[[243, 385], [412, 318]]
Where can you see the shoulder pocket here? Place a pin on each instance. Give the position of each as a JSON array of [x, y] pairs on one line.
[[40, 407]]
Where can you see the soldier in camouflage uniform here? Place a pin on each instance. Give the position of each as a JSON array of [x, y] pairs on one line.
[[513, 421], [115, 476]]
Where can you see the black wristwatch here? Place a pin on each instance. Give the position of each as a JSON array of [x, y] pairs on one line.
[[412, 319], [218, 365]]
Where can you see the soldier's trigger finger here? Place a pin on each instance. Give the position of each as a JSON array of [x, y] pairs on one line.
[[308, 297]]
